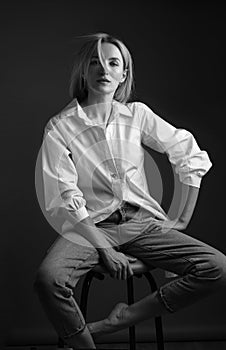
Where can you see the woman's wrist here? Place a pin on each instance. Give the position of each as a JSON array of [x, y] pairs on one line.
[[104, 250], [182, 223], [184, 220], [190, 197]]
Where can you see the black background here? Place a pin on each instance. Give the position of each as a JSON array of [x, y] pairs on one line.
[[178, 52]]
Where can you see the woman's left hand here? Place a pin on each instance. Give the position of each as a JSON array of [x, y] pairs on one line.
[[166, 225]]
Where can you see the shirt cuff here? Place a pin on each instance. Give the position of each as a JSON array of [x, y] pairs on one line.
[[79, 214], [73, 216], [191, 180]]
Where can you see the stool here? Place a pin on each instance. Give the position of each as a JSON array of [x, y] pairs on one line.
[[139, 269]]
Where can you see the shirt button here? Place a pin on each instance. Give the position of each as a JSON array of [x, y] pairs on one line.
[[114, 176]]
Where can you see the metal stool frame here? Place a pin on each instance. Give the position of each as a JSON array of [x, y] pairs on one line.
[[130, 296]]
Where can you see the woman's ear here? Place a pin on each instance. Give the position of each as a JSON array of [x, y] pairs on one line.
[[124, 75]]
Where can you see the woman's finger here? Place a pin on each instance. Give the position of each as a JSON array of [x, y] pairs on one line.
[[130, 271], [118, 273], [132, 259], [113, 273], [124, 273], [124, 270]]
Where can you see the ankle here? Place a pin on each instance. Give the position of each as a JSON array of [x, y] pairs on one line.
[[125, 313]]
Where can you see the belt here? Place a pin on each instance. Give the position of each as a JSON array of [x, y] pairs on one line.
[[122, 214]]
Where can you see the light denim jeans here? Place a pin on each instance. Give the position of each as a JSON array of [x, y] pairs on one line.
[[201, 269]]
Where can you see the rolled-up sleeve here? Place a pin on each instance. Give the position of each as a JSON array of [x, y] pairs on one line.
[[61, 193], [191, 163]]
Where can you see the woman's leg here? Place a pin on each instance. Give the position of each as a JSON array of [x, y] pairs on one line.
[[201, 269], [57, 276]]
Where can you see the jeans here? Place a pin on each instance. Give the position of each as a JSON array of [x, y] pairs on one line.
[[200, 268]]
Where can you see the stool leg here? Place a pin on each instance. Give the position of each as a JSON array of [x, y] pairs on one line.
[[84, 297], [130, 294], [83, 301], [84, 293], [85, 290], [158, 320]]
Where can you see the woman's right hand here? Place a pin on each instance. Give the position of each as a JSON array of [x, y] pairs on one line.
[[118, 264]]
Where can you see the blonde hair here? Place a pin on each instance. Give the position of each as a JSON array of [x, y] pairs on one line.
[[93, 43]]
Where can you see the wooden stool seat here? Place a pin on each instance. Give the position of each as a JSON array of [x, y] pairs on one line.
[[138, 267]]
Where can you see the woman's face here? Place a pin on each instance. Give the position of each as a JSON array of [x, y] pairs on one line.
[[102, 80]]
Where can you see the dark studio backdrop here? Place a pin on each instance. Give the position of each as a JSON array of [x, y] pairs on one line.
[[178, 51]]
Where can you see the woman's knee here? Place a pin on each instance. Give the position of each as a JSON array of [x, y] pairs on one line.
[[212, 268], [221, 268], [48, 276], [52, 280], [44, 278]]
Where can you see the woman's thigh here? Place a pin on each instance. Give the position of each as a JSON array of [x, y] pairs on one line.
[[67, 260], [173, 251]]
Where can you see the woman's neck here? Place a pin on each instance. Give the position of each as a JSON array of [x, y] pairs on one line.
[[95, 99], [98, 108]]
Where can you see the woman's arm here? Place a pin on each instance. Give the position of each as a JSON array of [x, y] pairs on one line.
[[191, 163], [63, 198], [87, 228], [188, 203], [115, 262], [187, 206]]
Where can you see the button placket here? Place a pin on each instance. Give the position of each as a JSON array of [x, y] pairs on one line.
[[109, 155]]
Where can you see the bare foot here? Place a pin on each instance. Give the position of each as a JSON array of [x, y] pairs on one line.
[[113, 323]]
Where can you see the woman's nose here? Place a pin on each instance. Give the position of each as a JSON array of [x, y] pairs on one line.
[[103, 70]]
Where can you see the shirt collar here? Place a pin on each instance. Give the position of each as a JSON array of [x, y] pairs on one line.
[[122, 109], [75, 108]]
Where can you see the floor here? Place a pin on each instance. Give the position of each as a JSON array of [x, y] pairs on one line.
[[196, 345], [173, 346]]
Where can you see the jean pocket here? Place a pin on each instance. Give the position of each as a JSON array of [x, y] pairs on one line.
[[150, 226]]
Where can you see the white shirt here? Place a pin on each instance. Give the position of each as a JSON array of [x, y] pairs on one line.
[[90, 169]]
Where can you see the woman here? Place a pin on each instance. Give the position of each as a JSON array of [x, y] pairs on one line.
[[92, 159]]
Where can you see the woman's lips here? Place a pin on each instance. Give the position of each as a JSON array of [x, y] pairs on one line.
[[103, 81]]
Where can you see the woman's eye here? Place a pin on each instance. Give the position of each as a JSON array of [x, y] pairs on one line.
[[113, 64], [94, 62]]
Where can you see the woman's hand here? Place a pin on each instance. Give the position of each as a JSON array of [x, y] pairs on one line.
[[118, 264], [166, 225]]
